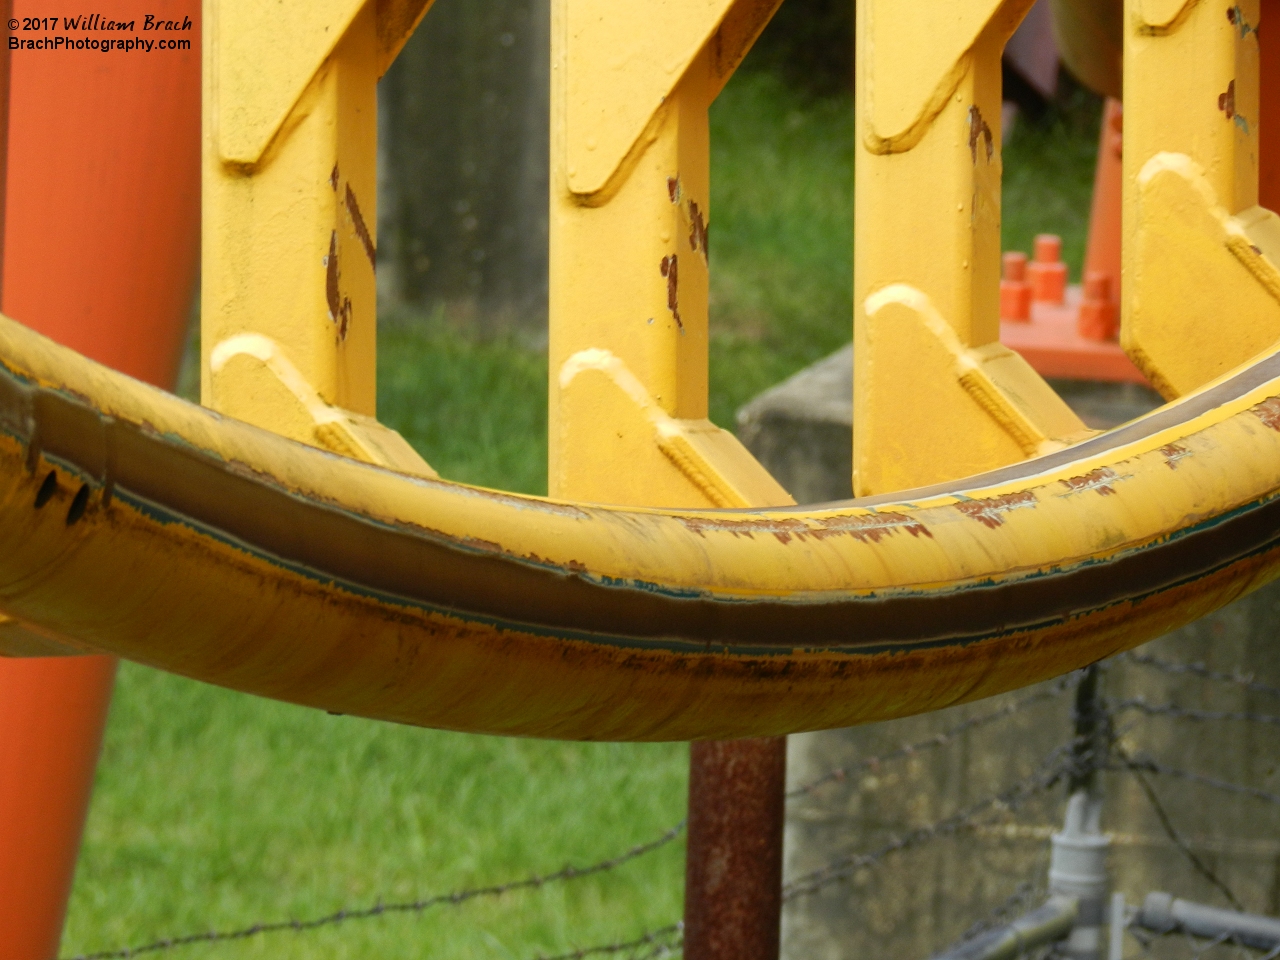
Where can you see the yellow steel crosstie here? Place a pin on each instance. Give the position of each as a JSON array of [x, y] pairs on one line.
[[285, 543]]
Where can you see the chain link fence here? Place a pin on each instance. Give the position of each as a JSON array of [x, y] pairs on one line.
[[1120, 743]]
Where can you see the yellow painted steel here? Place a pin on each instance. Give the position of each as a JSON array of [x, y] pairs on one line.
[[288, 296], [927, 253], [290, 546], [630, 217], [1201, 288]]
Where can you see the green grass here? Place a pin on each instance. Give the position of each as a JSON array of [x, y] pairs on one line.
[[215, 810], [782, 235], [1048, 175], [475, 409]]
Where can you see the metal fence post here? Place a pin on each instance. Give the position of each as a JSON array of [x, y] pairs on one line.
[[733, 871]]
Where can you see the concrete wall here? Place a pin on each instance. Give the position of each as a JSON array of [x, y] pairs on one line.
[[463, 117], [921, 899]]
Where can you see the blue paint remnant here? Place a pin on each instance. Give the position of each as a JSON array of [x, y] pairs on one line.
[[1236, 16]]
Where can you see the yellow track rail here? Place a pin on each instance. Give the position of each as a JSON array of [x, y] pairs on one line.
[[142, 525], [291, 546]]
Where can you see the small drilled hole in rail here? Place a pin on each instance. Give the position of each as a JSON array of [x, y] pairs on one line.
[[78, 505], [47, 489]]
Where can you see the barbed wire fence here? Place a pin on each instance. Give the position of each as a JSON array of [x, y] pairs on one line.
[[1108, 746]]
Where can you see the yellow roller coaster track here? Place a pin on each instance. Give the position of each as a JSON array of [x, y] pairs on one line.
[[144, 525], [253, 548]]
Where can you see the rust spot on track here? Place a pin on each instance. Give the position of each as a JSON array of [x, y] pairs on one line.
[[331, 292], [1227, 104], [362, 231], [479, 543], [339, 306], [979, 129], [698, 230], [669, 267], [573, 566], [1227, 101], [1268, 411], [872, 527], [989, 512], [1172, 453], [345, 323], [1236, 17], [1100, 480]]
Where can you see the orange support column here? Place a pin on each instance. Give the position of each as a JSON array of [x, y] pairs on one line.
[[1269, 114], [52, 712], [101, 233], [1102, 257]]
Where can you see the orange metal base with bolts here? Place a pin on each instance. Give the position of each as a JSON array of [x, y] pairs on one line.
[[1071, 331], [103, 174]]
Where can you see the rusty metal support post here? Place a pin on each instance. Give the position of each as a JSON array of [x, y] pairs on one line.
[[733, 869]]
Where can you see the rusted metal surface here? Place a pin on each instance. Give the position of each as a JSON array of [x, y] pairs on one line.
[[360, 227], [733, 872], [669, 267]]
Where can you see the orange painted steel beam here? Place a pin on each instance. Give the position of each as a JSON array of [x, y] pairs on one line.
[[101, 233], [1102, 255], [52, 713], [1269, 118]]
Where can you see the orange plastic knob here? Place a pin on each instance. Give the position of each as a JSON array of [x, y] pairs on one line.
[[1047, 274], [1015, 292], [1097, 319]]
